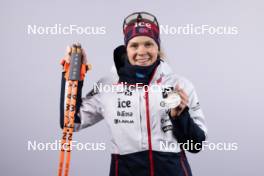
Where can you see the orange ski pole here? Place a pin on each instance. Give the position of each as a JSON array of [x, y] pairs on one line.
[[74, 73]]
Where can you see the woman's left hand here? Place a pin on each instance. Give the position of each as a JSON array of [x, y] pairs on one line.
[[175, 112]]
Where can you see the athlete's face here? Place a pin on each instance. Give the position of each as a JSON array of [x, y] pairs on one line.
[[142, 51]]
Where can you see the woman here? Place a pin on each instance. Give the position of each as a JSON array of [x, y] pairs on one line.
[[149, 127]]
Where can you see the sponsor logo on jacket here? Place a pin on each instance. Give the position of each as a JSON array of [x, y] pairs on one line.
[[118, 121]]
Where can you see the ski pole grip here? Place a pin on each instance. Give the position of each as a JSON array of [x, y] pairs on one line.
[[75, 65]]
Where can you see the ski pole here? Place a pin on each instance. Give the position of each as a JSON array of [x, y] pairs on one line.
[[73, 75]]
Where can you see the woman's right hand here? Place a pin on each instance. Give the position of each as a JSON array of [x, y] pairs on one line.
[[69, 49]]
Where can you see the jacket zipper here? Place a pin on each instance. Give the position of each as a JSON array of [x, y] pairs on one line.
[[151, 162]]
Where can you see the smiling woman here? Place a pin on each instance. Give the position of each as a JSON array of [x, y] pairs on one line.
[[142, 51], [140, 118]]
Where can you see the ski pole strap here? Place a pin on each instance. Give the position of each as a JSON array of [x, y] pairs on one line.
[[66, 68]]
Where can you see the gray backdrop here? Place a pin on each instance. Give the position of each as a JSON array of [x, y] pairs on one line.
[[225, 69]]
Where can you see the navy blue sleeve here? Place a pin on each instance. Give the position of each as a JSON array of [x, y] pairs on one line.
[[78, 102], [186, 130]]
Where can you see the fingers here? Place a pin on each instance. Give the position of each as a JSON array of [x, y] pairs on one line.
[[75, 48], [68, 50], [175, 112], [77, 44], [67, 56], [182, 93], [184, 99], [84, 58], [177, 87]]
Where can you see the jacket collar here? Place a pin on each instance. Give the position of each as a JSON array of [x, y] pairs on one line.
[[162, 70]]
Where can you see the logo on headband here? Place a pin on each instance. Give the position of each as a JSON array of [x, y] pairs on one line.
[[142, 24], [143, 30]]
